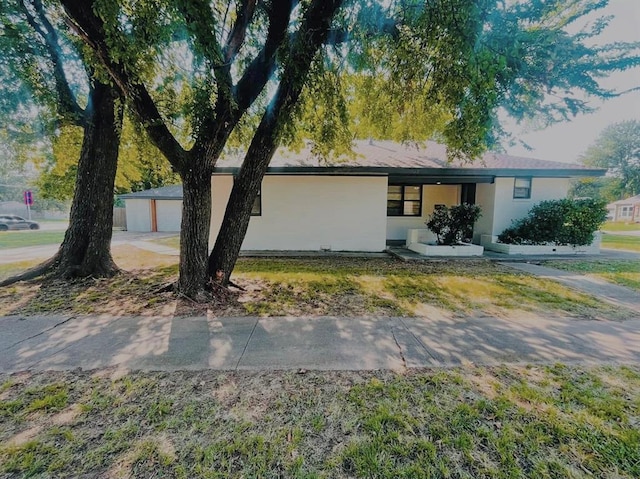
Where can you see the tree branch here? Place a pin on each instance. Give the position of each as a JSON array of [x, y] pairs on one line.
[[69, 107], [262, 66], [90, 29], [244, 14]]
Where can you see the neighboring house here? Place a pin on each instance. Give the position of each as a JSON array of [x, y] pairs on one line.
[[158, 209], [364, 202], [627, 210]]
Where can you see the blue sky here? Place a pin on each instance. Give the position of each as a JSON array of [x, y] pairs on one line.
[[567, 141]]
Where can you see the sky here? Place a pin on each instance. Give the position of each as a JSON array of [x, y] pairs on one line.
[[566, 141]]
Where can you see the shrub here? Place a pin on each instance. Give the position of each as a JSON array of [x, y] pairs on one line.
[[454, 224], [557, 222]]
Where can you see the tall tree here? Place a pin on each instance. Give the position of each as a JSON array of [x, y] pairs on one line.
[[452, 61], [618, 149], [50, 64]]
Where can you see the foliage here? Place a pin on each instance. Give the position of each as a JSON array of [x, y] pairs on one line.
[[618, 149], [454, 224], [608, 188], [558, 222]]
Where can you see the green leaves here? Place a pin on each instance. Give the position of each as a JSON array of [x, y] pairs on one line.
[[558, 222], [618, 149]]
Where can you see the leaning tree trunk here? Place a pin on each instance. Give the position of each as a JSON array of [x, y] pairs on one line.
[[194, 229], [85, 250], [312, 34]]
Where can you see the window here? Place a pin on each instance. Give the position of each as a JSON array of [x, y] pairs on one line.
[[404, 200], [522, 188], [626, 211], [256, 209]]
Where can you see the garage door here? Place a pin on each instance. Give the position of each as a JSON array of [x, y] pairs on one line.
[[168, 215]]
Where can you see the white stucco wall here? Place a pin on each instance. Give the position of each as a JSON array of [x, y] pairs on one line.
[[168, 215], [485, 198], [310, 213], [432, 195], [506, 208], [138, 214]]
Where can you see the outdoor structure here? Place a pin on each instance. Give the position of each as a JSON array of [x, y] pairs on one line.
[[362, 203], [627, 210], [158, 209]]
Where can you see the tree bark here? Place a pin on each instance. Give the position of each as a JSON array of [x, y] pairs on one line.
[[86, 249], [195, 227], [310, 37]]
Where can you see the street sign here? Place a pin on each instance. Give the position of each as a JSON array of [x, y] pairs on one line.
[[28, 198]]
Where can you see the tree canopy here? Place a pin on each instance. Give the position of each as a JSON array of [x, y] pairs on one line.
[[618, 149], [407, 70]]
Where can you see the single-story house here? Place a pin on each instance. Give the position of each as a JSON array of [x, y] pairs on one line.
[[627, 210], [364, 202], [157, 209]]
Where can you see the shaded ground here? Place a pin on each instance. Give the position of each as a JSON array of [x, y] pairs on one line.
[[364, 287], [551, 421]]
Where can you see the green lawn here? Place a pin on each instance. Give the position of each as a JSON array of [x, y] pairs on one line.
[[618, 226], [18, 239], [625, 273], [502, 422], [622, 242], [171, 241]]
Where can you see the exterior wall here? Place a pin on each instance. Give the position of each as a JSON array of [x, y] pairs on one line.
[[632, 212], [168, 215], [506, 208], [432, 195], [310, 213], [138, 215], [485, 198]]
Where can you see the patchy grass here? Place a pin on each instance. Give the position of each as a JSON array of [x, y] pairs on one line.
[[622, 242], [336, 286], [10, 269], [624, 273], [531, 422], [620, 226], [387, 287], [171, 241], [20, 239]]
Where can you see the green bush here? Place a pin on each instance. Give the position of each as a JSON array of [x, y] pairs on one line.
[[557, 222], [454, 224]]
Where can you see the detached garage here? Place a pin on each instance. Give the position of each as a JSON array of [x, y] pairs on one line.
[[159, 209]]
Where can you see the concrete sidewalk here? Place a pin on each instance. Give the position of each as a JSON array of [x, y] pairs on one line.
[[153, 343], [601, 289]]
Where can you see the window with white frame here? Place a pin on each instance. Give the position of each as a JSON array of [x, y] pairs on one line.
[[522, 188], [625, 211]]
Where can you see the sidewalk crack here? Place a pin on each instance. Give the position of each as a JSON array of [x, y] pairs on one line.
[[247, 344], [404, 361], [40, 333], [439, 360]]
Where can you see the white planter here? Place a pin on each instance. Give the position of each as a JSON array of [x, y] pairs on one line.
[[441, 250], [491, 243]]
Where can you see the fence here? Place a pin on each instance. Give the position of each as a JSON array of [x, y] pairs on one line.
[[119, 218]]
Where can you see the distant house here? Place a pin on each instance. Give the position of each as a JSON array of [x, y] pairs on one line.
[[364, 202], [158, 209], [627, 210]]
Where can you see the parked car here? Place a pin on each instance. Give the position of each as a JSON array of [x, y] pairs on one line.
[[13, 222]]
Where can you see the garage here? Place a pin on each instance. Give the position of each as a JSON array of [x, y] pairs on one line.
[[157, 209]]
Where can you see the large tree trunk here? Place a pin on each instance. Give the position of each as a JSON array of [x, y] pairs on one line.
[[312, 34], [194, 230], [86, 249]]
